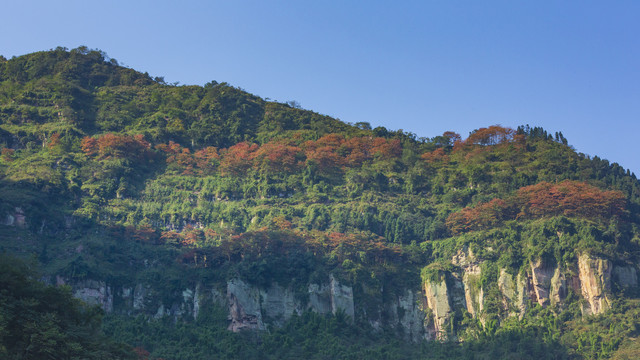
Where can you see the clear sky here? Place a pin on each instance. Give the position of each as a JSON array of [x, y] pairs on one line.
[[422, 66]]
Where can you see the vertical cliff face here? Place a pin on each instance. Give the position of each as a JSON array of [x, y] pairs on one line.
[[544, 284], [429, 314], [408, 314], [559, 290], [95, 293], [341, 298], [548, 282], [438, 296], [471, 274], [251, 308], [278, 304], [460, 289], [255, 308], [595, 283], [541, 275], [515, 292], [245, 310]]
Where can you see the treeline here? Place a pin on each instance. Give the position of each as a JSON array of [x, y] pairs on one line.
[[82, 91]]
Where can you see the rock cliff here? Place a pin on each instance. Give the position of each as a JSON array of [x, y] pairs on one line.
[[543, 284], [255, 308], [426, 314], [595, 283]]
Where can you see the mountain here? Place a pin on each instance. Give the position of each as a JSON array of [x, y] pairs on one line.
[[206, 221]]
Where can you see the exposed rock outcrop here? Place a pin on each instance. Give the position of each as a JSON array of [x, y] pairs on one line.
[[279, 304], [427, 315], [515, 292], [245, 311], [595, 283], [16, 218], [442, 298], [410, 316], [251, 307], [471, 281], [558, 288], [541, 275], [95, 293], [455, 290], [544, 284], [341, 298]]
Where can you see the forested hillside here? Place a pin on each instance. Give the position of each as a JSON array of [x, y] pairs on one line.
[[184, 211]]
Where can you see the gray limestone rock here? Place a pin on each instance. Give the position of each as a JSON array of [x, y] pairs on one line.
[[244, 307], [438, 300], [94, 293], [319, 298], [341, 298], [279, 304]]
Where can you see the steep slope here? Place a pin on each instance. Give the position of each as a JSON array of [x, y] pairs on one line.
[[166, 201]]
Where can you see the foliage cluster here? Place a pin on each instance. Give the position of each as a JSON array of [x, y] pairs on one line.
[[567, 198]]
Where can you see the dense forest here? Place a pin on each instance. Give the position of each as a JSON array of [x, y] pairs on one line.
[[110, 175]]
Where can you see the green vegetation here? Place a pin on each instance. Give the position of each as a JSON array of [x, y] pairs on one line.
[[46, 322], [109, 174], [313, 336]]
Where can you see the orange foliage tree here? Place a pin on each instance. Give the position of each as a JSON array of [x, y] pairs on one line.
[[116, 146], [493, 135], [54, 140], [237, 159], [171, 237], [179, 157], [350, 246], [453, 137], [482, 216], [89, 146], [190, 236], [7, 154], [568, 198], [323, 153], [274, 157], [386, 149], [324, 157], [331, 140], [143, 233], [203, 161], [359, 150], [437, 155], [207, 159]]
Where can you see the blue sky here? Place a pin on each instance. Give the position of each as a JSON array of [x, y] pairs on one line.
[[422, 66]]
